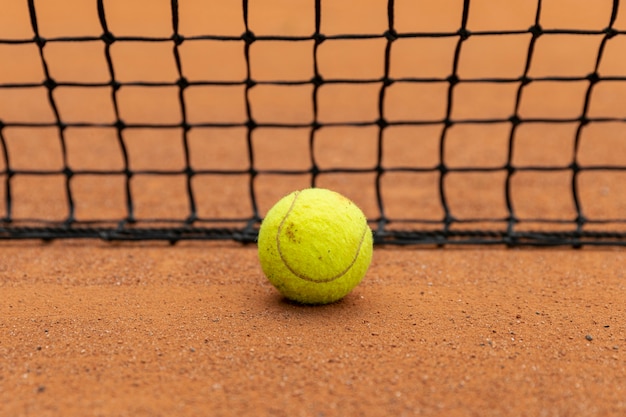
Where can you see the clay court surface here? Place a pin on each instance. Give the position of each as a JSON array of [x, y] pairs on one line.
[[146, 329], [101, 329]]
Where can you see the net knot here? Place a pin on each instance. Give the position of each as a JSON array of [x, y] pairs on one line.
[[108, 38], [317, 81], [182, 83], [41, 42], [50, 84], [536, 30], [515, 120], [610, 32], [391, 35], [178, 39], [248, 37], [464, 34], [593, 77]]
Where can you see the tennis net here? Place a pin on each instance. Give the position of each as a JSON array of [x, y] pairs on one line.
[[460, 122]]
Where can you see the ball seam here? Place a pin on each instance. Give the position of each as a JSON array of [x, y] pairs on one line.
[[304, 277]]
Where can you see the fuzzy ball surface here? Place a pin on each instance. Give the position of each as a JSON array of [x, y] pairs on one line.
[[315, 246]]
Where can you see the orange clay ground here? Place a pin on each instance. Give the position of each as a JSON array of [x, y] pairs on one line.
[[195, 329]]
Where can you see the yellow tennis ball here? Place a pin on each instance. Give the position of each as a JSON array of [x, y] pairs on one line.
[[315, 246]]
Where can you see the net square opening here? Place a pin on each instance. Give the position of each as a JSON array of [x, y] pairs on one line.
[[281, 149], [543, 195], [422, 57], [208, 60], [88, 62], [155, 149], [20, 64], [578, 15], [341, 17], [553, 99], [411, 146], [602, 144], [149, 105], [215, 104], [476, 195], [602, 194], [427, 16], [608, 99], [544, 144], [224, 18], [483, 101], [93, 149], [412, 101], [281, 60], [564, 55], [348, 103], [144, 62], [49, 203], [613, 63], [269, 188], [123, 17], [346, 147], [34, 149], [25, 105], [493, 56], [477, 146], [68, 18], [218, 148], [411, 196], [487, 15], [99, 197], [15, 22], [222, 196], [359, 59], [85, 104], [159, 197], [282, 104], [282, 17]]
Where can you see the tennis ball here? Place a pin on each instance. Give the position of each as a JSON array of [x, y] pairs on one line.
[[315, 246]]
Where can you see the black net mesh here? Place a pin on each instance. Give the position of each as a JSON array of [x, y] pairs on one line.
[[443, 128]]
